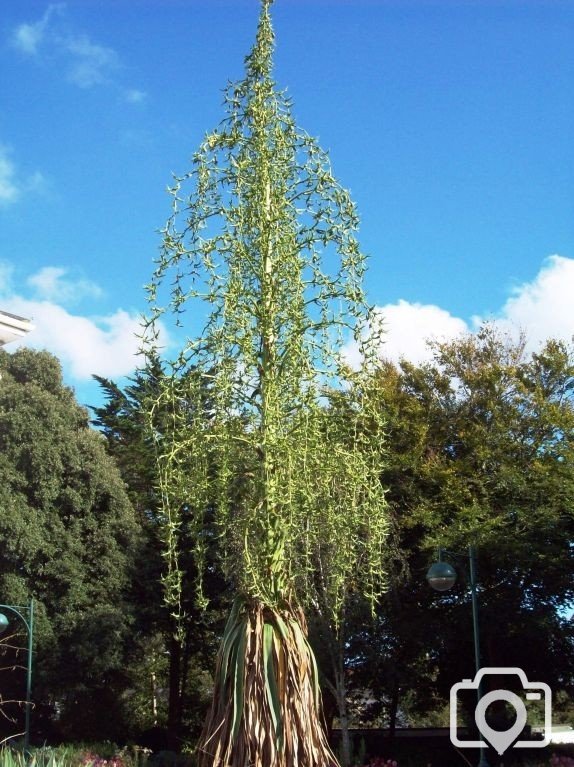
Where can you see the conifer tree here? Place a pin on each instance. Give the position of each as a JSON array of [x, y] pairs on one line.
[[261, 275]]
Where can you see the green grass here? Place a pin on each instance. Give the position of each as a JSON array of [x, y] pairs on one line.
[[77, 755]]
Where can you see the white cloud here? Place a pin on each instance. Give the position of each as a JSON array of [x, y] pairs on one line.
[[106, 346], [410, 326], [135, 96], [12, 184], [86, 63], [91, 64], [52, 284], [6, 273], [407, 327], [28, 37], [542, 308], [9, 189], [85, 344]]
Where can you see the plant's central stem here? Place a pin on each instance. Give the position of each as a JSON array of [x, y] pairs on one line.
[[269, 386]]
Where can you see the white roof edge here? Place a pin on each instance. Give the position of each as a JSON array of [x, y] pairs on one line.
[[13, 327]]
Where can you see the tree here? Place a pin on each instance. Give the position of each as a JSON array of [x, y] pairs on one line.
[[480, 451], [69, 539], [191, 651], [265, 237], [122, 422]]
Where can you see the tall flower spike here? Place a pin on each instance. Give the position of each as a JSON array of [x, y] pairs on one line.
[[266, 442], [259, 62]]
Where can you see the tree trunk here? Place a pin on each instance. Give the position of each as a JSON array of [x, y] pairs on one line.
[[185, 666], [174, 696], [330, 707], [343, 715], [393, 709]]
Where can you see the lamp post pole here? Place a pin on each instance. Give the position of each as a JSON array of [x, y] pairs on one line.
[[29, 624], [472, 568], [441, 576]]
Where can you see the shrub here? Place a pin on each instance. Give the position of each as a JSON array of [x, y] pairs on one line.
[[557, 760]]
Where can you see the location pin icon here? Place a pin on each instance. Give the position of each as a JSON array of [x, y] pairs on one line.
[[500, 739]]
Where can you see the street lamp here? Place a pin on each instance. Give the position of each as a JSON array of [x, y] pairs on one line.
[[441, 577], [29, 624]]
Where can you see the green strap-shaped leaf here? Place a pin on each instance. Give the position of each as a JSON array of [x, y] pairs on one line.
[[238, 676], [271, 689], [238, 603], [228, 644], [282, 628], [231, 628]]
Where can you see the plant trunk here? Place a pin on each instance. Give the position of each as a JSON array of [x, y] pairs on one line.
[[266, 702]]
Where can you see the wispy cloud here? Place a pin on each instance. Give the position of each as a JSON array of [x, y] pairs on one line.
[[6, 274], [9, 190], [13, 183], [87, 63], [52, 283], [542, 309], [28, 37], [91, 64], [135, 96]]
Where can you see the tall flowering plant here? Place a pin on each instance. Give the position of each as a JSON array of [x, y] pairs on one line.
[[261, 431]]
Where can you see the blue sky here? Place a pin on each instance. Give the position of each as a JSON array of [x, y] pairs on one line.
[[450, 121]]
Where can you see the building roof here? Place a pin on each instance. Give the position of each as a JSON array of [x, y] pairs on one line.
[[12, 327]]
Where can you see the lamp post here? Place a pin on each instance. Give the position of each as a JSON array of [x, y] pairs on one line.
[[29, 624], [441, 577]]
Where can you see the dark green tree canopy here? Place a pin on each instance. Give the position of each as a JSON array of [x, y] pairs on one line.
[[480, 451], [178, 666], [68, 533]]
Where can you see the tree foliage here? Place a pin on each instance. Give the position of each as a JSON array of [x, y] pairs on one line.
[[480, 451], [174, 663], [68, 537]]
